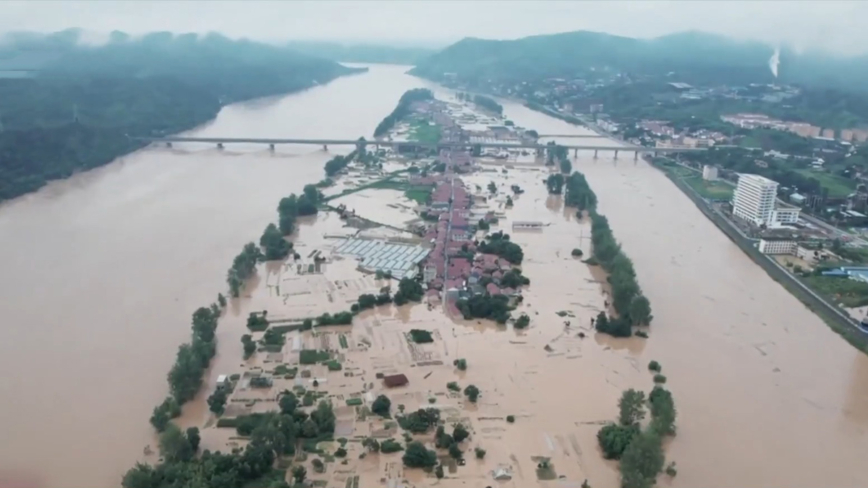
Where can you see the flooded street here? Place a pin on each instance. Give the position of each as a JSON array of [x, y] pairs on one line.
[[103, 271]]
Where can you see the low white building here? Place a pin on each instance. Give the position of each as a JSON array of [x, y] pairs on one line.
[[784, 216], [777, 246]]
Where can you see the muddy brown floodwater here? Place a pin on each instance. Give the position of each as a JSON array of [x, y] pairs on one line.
[[767, 394], [104, 269]]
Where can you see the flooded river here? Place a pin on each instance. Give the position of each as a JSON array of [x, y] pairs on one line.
[[104, 269]]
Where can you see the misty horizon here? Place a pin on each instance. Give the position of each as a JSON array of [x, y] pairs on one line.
[[832, 27]]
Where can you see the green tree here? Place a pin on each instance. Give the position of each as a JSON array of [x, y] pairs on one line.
[[141, 476], [417, 456], [381, 406], [288, 403], [480, 453], [309, 429], [194, 438], [555, 183], [522, 321], [217, 401], [631, 407], [455, 451], [249, 345], [438, 471], [299, 473], [174, 445], [640, 310], [472, 393], [663, 411], [372, 444], [459, 433], [324, 416], [642, 461], [614, 439], [275, 245], [461, 364], [221, 300]]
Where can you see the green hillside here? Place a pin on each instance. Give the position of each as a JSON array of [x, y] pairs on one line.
[[692, 57], [76, 107]]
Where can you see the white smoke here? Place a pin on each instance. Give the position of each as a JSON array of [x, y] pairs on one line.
[[775, 61]]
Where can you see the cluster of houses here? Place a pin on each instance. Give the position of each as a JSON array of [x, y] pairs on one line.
[[454, 269]]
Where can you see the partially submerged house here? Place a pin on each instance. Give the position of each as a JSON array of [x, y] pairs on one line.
[[395, 380]]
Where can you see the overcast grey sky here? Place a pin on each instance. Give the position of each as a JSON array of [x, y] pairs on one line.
[[831, 25]]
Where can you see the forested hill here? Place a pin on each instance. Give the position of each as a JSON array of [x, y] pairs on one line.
[[691, 57], [362, 53], [76, 108]]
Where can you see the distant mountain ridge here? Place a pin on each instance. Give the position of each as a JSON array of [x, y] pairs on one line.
[[362, 53], [75, 107], [693, 57]]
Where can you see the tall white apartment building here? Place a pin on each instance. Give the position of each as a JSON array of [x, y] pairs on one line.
[[754, 199]]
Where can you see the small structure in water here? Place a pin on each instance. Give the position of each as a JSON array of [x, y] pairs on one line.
[[527, 225], [395, 380]]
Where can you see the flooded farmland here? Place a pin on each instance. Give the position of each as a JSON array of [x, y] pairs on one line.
[[116, 259]]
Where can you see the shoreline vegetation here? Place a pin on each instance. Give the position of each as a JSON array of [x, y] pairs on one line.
[[402, 109], [83, 106]]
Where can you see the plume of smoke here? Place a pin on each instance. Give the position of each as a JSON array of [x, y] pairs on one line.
[[774, 61]]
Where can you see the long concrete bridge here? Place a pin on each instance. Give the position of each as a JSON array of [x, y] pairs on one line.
[[221, 141]]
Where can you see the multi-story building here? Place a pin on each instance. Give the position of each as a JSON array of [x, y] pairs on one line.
[[709, 172], [777, 246], [784, 216], [754, 198]]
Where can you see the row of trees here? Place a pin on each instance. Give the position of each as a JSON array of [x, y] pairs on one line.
[[334, 165], [579, 193], [402, 109], [627, 298], [243, 267], [639, 450], [185, 377], [489, 104]]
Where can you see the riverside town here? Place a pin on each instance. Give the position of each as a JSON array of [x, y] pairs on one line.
[[565, 260]]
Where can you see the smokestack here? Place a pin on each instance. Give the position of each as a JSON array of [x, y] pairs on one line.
[[775, 61]]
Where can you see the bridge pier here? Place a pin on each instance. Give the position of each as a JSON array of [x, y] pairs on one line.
[[636, 156], [325, 147], [595, 153], [219, 145], [271, 147], [616, 154], [168, 144], [575, 153]]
